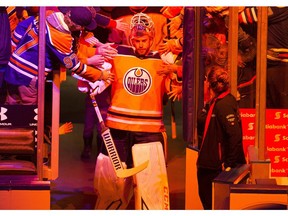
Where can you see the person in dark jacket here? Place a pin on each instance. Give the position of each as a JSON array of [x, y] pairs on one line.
[[219, 126]]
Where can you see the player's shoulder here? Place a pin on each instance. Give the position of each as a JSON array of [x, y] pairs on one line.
[[26, 22], [24, 25]]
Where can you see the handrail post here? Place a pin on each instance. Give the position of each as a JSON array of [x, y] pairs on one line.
[[261, 70], [233, 48], [41, 92]]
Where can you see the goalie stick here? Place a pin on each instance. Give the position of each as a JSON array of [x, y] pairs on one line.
[[121, 172]]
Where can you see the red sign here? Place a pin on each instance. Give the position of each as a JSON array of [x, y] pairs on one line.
[[276, 137]]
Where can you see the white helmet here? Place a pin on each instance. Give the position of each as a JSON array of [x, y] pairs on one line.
[[141, 24]]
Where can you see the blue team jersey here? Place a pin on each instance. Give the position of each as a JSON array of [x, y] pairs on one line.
[[23, 63]]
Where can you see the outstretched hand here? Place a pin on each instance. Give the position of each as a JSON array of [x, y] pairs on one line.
[[174, 25], [122, 26], [175, 93], [96, 61], [107, 76], [93, 41], [65, 128], [170, 45], [166, 69], [107, 51]]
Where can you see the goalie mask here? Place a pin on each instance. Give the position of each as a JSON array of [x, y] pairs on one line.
[[141, 24]]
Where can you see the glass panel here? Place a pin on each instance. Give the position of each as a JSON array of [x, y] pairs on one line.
[[214, 29]]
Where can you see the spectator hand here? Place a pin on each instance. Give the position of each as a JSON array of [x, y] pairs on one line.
[[96, 61], [178, 33], [65, 128], [172, 45], [107, 76], [122, 26], [107, 51], [175, 93], [174, 24], [166, 69], [93, 41]]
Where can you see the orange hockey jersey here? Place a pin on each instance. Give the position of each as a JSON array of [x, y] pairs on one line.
[[137, 92]]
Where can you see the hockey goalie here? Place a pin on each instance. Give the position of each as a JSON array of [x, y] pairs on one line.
[[134, 125]]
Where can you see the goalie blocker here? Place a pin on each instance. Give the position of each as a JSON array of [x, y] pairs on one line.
[[151, 191]]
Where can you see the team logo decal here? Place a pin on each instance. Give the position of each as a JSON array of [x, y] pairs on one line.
[[2, 114], [137, 81], [36, 116]]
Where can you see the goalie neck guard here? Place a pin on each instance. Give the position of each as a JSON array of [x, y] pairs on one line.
[[141, 24]]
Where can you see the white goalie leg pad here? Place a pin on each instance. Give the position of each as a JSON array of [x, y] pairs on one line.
[[112, 192], [151, 191]]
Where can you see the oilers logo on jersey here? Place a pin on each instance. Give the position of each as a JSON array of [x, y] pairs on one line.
[[137, 81]]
